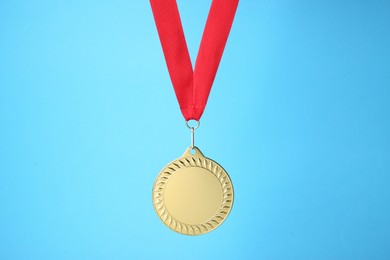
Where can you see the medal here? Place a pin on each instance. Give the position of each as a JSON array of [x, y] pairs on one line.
[[193, 194]]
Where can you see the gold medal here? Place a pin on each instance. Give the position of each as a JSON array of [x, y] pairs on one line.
[[193, 194]]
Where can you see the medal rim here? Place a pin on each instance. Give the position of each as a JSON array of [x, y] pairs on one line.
[[210, 165]]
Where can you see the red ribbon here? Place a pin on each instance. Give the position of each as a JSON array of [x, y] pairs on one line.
[[192, 87]]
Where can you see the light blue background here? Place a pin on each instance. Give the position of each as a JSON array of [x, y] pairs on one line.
[[299, 116]]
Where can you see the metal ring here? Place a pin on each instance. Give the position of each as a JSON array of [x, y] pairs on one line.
[[193, 127]]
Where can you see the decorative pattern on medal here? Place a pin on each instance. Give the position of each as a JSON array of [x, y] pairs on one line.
[[193, 195]]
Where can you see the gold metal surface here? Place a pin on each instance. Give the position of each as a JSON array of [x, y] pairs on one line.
[[193, 195]]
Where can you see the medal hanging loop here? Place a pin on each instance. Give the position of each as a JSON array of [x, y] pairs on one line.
[[193, 128]]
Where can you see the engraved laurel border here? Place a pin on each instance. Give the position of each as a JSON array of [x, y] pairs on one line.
[[192, 161]]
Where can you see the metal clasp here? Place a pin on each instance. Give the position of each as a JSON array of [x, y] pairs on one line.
[[193, 128]]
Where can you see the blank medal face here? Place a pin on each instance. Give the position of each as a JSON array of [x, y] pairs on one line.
[[193, 194]]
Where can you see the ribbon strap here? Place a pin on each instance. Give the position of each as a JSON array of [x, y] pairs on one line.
[[192, 87]]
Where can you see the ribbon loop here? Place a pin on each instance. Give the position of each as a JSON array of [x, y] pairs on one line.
[[192, 87]]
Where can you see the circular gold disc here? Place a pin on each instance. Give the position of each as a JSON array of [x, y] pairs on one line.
[[193, 194]]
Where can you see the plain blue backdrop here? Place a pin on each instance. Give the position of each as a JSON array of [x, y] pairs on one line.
[[299, 116]]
